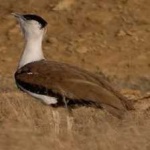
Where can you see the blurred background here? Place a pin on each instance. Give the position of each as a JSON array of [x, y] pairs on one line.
[[109, 37]]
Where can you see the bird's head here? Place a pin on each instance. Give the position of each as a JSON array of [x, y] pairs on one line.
[[32, 26]]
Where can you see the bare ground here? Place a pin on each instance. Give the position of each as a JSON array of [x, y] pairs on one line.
[[107, 36]]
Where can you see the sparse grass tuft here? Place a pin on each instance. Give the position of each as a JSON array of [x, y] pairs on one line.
[[25, 123]]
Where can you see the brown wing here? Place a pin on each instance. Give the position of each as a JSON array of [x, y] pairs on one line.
[[73, 83]]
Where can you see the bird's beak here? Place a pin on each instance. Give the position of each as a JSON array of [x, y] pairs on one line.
[[18, 16]]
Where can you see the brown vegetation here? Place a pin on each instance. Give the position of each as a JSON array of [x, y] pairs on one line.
[[98, 35]]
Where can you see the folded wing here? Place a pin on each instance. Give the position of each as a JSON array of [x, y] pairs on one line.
[[73, 83]]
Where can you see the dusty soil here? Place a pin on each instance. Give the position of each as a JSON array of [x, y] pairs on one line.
[[102, 36]]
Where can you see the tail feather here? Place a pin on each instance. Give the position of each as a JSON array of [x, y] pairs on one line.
[[119, 113], [128, 104]]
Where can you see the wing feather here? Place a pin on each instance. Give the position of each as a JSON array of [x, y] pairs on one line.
[[72, 82]]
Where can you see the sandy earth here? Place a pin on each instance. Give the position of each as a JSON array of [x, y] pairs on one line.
[[102, 36]]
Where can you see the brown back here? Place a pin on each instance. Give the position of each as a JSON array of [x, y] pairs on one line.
[[74, 83]]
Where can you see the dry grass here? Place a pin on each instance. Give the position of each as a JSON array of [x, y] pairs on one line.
[[27, 124], [99, 35]]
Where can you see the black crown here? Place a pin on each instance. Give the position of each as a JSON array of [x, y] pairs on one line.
[[39, 19]]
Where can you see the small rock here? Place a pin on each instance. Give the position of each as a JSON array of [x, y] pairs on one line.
[[82, 50], [9, 59], [121, 33], [142, 57], [3, 49], [14, 30], [52, 40], [64, 5]]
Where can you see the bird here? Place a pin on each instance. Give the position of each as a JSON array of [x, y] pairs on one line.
[[57, 83]]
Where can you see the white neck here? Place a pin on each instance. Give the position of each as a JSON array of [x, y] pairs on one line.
[[32, 52]]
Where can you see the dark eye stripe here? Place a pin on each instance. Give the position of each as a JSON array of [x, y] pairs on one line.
[[39, 19]]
